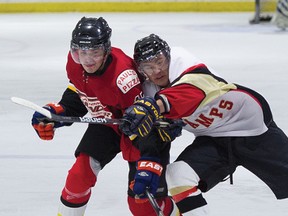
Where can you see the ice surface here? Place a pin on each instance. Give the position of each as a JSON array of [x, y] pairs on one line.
[[33, 49]]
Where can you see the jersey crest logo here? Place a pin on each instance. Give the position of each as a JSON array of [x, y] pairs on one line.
[[94, 106], [127, 80]]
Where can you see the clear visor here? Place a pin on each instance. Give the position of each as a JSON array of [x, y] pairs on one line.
[[154, 64], [86, 54]]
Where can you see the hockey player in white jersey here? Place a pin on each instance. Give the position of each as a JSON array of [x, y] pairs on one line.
[[281, 17], [232, 124]]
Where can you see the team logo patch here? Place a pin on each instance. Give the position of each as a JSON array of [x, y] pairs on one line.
[[143, 174], [127, 80], [94, 106]]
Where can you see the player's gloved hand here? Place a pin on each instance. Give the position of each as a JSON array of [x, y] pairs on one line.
[[171, 131], [140, 117], [45, 128], [147, 176]]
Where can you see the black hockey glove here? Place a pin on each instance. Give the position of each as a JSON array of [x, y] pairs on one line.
[[140, 117], [171, 131], [147, 176]]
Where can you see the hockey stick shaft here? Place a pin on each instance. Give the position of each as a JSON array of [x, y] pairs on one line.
[[66, 119], [73, 119], [154, 203]]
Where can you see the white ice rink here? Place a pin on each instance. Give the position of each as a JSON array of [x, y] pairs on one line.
[[33, 50]]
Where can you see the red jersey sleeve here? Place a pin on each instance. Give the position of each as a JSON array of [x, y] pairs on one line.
[[183, 100], [127, 81]]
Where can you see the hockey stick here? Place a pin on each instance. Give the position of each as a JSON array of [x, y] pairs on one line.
[[154, 203], [73, 119], [66, 119]]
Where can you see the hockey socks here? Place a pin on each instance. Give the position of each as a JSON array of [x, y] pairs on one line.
[[77, 191]]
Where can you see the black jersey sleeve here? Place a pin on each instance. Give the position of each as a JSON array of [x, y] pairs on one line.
[[72, 103]]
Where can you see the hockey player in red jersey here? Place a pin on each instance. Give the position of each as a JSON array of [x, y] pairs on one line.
[[104, 82], [232, 124]]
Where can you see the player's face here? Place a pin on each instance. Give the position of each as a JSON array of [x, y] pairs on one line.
[[91, 59], [157, 70]]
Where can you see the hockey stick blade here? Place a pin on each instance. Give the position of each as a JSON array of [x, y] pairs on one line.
[[154, 203], [32, 106], [67, 119]]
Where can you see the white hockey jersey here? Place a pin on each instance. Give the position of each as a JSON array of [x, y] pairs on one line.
[[209, 105]]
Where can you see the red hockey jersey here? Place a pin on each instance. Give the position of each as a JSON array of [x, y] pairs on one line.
[[110, 94]]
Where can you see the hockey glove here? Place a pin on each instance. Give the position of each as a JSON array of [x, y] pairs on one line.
[[170, 132], [45, 128], [140, 117], [147, 176]]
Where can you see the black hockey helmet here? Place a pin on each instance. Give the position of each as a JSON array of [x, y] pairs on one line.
[[149, 47], [91, 33]]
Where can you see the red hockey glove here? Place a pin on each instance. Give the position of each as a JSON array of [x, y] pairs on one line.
[[147, 176], [140, 117], [45, 128]]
